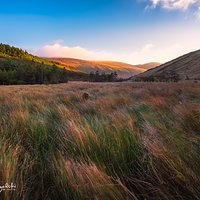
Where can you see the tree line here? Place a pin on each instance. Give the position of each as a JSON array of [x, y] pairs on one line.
[[12, 51], [103, 77], [31, 73], [20, 67]]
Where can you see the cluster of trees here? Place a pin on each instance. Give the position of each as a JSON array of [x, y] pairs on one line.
[[12, 51], [31, 73], [103, 77], [20, 67]]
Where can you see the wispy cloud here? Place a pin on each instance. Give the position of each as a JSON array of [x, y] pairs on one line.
[[198, 13], [59, 50], [182, 5], [147, 47], [174, 4]]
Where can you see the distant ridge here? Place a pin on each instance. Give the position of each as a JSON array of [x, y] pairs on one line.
[[124, 70], [186, 67]]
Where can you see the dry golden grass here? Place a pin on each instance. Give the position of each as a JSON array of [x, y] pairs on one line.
[[124, 141]]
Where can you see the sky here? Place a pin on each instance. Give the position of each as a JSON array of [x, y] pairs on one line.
[[132, 31]]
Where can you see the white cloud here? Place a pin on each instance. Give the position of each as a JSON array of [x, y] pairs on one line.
[[155, 2], [58, 50], [152, 53], [174, 4], [187, 6], [147, 47], [198, 13]]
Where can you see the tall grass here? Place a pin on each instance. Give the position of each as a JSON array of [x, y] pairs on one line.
[[127, 141]]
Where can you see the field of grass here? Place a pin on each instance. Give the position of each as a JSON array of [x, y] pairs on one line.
[[127, 141]]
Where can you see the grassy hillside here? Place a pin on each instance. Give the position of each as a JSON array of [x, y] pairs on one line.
[[186, 67], [127, 141], [7, 51], [124, 70], [19, 67]]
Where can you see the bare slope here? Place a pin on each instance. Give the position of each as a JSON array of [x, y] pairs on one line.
[[124, 70], [184, 67]]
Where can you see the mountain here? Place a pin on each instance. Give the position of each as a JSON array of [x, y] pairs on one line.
[[149, 65], [186, 67], [19, 67], [123, 70]]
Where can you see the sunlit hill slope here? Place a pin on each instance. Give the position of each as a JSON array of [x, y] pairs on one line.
[[124, 70]]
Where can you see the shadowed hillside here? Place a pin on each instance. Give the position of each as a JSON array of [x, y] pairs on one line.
[[186, 67], [123, 70]]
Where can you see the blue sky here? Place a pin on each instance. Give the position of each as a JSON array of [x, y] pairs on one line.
[[134, 31]]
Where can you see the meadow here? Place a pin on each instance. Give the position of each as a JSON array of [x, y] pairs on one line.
[[127, 141]]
